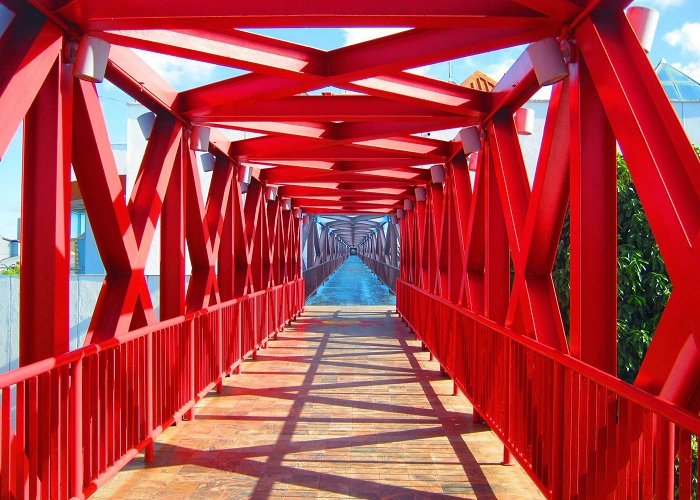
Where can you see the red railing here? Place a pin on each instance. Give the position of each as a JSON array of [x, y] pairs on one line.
[[68, 424], [315, 276], [387, 273], [576, 430]]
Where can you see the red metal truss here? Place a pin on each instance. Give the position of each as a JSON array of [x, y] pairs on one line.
[[470, 257]]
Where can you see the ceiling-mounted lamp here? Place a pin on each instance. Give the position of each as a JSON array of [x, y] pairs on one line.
[[286, 204], [407, 204], [245, 173], [208, 160], [297, 213], [547, 61], [91, 60], [271, 193], [420, 194], [643, 21], [199, 140], [472, 162], [525, 121], [437, 174], [471, 139], [400, 213], [146, 122]]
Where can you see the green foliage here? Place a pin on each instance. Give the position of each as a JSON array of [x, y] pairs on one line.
[[10, 270], [643, 285]]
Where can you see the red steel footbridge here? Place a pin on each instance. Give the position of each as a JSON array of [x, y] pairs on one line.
[[342, 158]]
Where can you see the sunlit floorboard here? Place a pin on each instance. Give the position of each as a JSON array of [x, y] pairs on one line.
[[343, 404]]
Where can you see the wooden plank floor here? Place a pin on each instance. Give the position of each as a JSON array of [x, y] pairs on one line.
[[343, 404]]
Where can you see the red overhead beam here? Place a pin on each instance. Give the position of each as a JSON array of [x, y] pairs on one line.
[[297, 13]]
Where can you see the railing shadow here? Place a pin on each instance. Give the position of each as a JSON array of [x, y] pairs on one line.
[[267, 464]]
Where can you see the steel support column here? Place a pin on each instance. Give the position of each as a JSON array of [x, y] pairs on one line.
[[593, 227], [45, 258]]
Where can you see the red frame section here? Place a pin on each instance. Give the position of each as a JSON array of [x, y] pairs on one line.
[[360, 153]]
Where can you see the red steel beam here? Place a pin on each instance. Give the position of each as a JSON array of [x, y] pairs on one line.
[[45, 252]]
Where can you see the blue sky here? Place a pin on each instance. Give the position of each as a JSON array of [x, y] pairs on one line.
[[677, 41]]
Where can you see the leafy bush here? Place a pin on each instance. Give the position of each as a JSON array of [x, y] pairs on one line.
[[10, 270], [643, 285]]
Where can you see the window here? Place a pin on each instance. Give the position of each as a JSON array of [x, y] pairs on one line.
[[77, 241]]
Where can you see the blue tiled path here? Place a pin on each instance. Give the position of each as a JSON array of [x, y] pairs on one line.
[[352, 284]]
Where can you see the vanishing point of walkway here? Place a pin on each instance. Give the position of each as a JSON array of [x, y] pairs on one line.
[[352, 284], [344, 404]]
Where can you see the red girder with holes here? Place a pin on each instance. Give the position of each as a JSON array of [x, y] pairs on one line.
[[474, 278]]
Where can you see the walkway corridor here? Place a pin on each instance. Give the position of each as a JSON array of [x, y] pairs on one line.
[[344, 403], [352, 284]]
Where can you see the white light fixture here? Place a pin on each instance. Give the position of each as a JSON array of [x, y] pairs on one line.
[[245, 173], [407, 204], [208, 160], [146, 122], [286, 204], [437, 174], [91, 59], [471, 140], [525, 121], [643, 21], [199, 140], [472, 162], [297, 213], [400, 213], [547, 61], [420, 193], [271, 193]]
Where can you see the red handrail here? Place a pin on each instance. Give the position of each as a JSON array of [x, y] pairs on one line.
[[575, 429], [67, 424]]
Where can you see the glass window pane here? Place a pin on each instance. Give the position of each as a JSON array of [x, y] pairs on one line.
[[689, 92], [680, 77], [663, 75], [671, 91]]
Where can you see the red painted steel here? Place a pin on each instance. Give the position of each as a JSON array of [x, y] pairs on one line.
[[476, 253], [113, 399], [577, 430]]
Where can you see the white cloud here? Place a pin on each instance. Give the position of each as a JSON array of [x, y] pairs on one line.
[[661, 4], [176, 70], [692, 69], [359, 35], [498, 69], [687, 38], [545, 93], [421, 70]]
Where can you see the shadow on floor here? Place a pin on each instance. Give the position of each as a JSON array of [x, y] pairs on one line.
[[325, 424]]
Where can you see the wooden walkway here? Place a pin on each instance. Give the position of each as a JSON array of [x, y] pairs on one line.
[[343, 404]]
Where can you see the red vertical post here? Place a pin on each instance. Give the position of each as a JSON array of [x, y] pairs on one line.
[[45, 251], [191, 368], [76, 429], [148, 452], [172, 246], [593, 332], [219, 351], [497, 259]]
